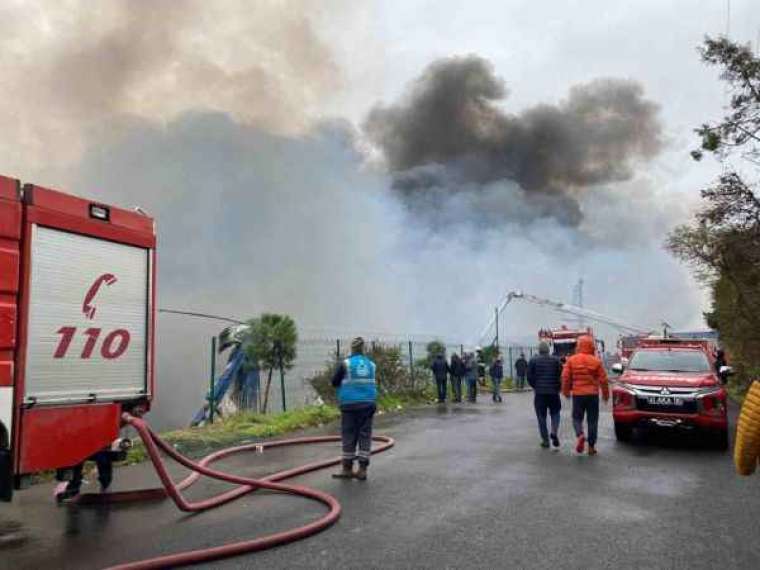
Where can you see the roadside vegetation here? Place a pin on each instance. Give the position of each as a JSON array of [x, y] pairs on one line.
[[722, 244], [396, 382], [398, 389]]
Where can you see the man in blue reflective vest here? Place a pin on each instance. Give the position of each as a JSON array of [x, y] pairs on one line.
[[357, 394]]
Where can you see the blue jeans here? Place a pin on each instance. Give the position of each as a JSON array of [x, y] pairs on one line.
[[472, 389], [552, 404], [496, 388], [456, 387]]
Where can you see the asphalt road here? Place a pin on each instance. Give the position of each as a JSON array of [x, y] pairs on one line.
[[466, 486]]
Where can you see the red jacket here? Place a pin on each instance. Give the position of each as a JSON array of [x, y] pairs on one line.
[[583, 374]]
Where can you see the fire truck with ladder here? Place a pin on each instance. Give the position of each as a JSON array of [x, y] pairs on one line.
[[563, 341], [77, 328]]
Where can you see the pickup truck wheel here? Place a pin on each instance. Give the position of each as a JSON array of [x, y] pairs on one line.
[[623, 432]]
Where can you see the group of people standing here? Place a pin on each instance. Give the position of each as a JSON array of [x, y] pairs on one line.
[[469, 369], [465, 368]]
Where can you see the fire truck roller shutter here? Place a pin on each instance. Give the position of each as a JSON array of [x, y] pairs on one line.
[[88, 319]]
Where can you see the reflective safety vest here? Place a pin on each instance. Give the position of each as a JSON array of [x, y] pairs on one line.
[[359, 383]]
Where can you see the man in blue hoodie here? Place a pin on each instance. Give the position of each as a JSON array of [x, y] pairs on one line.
[[357, 396]]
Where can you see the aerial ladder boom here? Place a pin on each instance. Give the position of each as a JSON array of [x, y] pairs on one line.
[[564, 308]]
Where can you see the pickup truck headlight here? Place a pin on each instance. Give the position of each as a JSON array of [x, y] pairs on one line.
[[623, 398]]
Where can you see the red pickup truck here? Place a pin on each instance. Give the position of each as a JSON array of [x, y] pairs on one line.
[[671, 383]]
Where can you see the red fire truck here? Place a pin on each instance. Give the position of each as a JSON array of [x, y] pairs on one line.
[[563, 341], [77, 322]]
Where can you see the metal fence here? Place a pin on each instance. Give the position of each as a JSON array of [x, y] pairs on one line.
[[315, 355], [184, 374]]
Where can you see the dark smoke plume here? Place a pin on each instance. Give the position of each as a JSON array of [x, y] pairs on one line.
[[449, 133]]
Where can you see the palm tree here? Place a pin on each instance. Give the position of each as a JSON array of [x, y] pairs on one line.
[[272, 344]]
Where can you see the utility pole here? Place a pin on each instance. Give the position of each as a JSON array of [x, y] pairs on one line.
[[212, 378], [496, 320], [578, 301]]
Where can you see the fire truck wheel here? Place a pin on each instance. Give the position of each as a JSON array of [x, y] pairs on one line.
[[747, 446], [623, 432]]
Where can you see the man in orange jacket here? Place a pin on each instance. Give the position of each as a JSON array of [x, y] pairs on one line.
[[583, 376]]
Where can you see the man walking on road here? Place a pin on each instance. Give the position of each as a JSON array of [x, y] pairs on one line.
[[457, 373], [545, 377], [496, 371], [471, 376], [583, 377], [521, 368], [440, 369], [357, 394]]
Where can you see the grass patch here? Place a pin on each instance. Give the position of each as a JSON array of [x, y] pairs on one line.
[[238, 428], [397, 402], [242, 427]]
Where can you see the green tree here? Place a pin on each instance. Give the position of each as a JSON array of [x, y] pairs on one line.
[[489, 354], [435, 347], [272, 344], [722, 244]]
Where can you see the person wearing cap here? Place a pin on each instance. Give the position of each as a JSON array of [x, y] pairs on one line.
[[545, 377], [583, 377], [357, 395]]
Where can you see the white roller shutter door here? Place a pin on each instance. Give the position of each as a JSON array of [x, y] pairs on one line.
[[88, 318]]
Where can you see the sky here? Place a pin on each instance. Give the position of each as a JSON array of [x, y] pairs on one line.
[[262, 137]]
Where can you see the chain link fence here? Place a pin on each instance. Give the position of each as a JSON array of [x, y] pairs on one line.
[[184, 377]]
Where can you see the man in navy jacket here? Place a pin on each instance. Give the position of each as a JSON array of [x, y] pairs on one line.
[[545, 377]]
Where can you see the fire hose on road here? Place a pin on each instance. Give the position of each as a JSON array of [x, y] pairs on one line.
[[154, 445]]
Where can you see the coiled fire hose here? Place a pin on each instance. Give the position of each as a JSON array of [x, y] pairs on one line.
[[747, 447], [154, 445]]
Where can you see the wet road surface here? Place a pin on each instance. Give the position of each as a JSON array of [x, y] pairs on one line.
[[465, 487]]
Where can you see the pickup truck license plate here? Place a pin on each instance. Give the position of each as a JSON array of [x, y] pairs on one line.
[[664, 401]]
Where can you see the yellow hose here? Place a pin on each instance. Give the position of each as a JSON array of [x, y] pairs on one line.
[[747, 447]]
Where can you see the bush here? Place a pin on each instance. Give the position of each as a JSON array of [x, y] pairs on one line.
[[392, 376]]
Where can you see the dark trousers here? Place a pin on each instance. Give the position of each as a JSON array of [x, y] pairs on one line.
[[520, 382], [456, 387], [105, 472], [441, 385], [547, 403], [356, 429], [588, 406], [472, 389]]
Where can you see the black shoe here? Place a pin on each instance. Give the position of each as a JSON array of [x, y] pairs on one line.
[[555, 440], [544, 444]]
